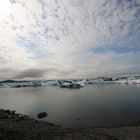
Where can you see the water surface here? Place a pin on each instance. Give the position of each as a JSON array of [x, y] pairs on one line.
[[94, 105]]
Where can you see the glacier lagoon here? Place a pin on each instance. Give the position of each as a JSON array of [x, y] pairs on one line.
[[91, 106]]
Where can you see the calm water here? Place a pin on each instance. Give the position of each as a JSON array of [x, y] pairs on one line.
[[94, 105]]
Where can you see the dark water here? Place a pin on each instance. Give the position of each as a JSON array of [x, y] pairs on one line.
[[94, 105]]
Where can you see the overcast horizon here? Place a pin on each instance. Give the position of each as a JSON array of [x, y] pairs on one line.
[[60, 39]]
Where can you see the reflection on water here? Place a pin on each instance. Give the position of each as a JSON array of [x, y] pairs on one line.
[[93, 105]]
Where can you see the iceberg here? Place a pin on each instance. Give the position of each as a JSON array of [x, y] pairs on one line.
[[129, 80], [71, 84]]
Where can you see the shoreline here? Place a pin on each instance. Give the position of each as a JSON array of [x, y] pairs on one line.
[[21, 127]]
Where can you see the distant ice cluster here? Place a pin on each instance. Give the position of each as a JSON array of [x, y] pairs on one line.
[[70, 83]]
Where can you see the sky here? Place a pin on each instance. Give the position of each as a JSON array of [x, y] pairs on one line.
[[58, 39]]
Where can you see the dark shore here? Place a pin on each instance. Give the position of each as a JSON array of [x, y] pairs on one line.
[[21, 127]]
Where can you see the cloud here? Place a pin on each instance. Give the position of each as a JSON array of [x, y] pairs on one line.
[[31, 73], [12, 1], [73, 38], [34, 73]]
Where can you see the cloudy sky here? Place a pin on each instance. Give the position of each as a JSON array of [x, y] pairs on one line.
[[50, 39]]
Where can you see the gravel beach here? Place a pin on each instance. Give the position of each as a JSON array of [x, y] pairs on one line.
[[21, 127]]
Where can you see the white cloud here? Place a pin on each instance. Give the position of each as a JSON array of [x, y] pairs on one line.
[[62, 34]]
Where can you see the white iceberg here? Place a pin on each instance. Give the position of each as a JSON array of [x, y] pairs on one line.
[[71, 84], [129, 80]]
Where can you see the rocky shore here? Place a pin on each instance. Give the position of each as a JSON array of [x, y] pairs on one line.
[[21, 127]]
